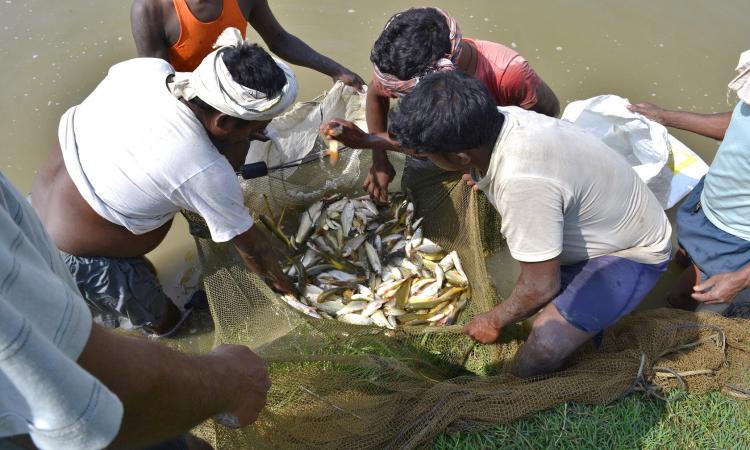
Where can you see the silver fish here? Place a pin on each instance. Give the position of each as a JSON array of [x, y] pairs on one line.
[[307, 221], [353, 244], [347, 218], [373, 258]]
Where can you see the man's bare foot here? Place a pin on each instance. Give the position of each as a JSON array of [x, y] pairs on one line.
[[171, 319]]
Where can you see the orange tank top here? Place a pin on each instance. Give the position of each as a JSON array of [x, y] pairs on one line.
[[196, 37]]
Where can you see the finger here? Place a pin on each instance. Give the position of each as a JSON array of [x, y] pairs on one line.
[[706, 285], [703, 298]]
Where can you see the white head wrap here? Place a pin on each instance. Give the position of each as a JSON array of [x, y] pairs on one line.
[[212, 83], [741, 84]]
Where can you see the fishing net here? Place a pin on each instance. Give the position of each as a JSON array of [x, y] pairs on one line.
[[337, 385]]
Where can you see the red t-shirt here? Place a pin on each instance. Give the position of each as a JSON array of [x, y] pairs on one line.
[[508, 76]]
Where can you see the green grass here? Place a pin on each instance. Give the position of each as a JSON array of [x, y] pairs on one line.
[[711, 421]]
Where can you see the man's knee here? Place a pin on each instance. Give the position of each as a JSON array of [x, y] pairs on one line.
[[552, 340], [534, 361]]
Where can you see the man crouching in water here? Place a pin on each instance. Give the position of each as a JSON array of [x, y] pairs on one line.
[[591, 238], [144, 144]]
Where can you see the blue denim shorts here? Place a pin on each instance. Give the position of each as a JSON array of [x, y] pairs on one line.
[[598, 292], [711, 249]]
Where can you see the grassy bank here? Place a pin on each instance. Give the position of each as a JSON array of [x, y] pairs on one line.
[[711, 421]]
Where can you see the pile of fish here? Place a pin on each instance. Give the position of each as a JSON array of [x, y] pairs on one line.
[[367, 265]]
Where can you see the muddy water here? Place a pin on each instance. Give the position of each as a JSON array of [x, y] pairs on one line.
[[678, 53]]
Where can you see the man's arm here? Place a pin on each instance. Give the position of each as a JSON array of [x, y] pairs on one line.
[[147, 26], [292, 49], [547, 102], [713, 126], [255, 250], [537, 285], [166, 393], [381, 171]]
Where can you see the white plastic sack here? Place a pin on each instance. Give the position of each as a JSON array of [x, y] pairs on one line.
[[294, 135], [669, 168]]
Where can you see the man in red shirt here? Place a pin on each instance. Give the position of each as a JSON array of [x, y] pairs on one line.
[[419, 41]]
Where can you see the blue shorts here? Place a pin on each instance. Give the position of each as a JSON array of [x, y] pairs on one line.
[[711, 249], [598, 292]]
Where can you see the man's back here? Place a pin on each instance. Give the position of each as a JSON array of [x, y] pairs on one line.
[[563, 192], [138, 155]]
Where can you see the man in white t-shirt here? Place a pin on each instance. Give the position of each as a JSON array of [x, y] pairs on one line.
[[591, 238], [144, 144]]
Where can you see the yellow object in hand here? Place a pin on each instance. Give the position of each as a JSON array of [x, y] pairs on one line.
[[333, 151]]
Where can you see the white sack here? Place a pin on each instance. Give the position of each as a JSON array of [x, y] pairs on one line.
[[670, 169]]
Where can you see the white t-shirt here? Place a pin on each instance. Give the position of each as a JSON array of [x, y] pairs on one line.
[[561, 192], [138, 155], [44, 326]]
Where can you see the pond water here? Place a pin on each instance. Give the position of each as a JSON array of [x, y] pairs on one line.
[[677, 53]]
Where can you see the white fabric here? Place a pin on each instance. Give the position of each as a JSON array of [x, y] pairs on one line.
[[670, 169], [138, 155], [564, 193], [741, 83], [212, 83], [44, 326]]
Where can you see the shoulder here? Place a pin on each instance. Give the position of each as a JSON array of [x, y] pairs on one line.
[[149, 10], [496, 53]]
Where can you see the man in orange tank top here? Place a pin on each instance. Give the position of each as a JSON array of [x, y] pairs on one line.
[[182, 32]]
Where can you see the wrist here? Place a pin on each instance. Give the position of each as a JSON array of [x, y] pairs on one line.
[[380, 157], [219, 383]]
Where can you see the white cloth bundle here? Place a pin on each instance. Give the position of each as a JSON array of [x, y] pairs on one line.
[[741, 84], [212, 83]]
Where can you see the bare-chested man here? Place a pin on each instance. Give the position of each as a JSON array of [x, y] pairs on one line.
[[182, 32], [145, 144]]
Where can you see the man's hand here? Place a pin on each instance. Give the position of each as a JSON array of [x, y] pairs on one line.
[[350, 78], [380, 176], [721, 288], [259, 257], [484, 328], [345, 132], [651, 111], [245, 381], [470, 181]]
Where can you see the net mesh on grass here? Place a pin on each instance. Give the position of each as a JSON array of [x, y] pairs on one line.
[[345, 386]]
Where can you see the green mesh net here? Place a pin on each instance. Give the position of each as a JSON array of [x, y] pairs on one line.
[[337, 385]]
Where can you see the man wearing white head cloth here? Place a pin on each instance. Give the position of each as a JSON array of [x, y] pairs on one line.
[[713, 224], [146, 143]]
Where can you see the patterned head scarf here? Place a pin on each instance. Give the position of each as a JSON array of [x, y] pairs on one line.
[[447, 63], [212, 83]]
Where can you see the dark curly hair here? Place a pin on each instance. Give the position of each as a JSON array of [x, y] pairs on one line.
[[446, 112], [253, 67], [414, 40]]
